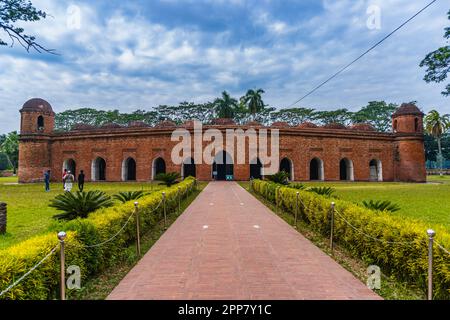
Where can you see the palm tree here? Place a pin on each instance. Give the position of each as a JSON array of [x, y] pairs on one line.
[[253, 101], [436, 125], [225, 107]]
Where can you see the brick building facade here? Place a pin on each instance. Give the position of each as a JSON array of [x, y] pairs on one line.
[[138, 152]]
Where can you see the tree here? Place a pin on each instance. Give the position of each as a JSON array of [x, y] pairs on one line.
[[438, 64], [293, 116], [225, 107], [341, 116], [13, 11], [253, 101], [377, 113], [10, 147], [436, 125]]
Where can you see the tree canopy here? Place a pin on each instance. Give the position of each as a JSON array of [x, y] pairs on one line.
[[437, 64], [14, 11]]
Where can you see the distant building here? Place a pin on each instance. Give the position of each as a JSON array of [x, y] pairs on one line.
[[139, 152]]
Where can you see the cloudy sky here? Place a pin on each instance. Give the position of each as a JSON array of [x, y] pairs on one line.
[[139, 54]]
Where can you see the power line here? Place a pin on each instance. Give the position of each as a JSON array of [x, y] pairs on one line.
[[362, 55]]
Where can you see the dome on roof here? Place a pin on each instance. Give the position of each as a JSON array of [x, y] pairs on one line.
[[37, 105], [334, 126], [280, 124], [253, 124], [166, 124], [223, 122], [82, 126], [111, 126], [408, 109], [137, 124], [307, 125], [189, 124], [362, 127]]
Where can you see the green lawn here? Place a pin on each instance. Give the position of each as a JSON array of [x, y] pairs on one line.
[[28, 211], [429, 202]]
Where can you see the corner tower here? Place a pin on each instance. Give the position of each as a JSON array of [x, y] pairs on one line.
[[407, 125], [36, 127]]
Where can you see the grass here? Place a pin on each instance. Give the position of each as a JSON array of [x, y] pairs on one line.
[[28, 212], [428, 202], [102, 285], [391, 289]]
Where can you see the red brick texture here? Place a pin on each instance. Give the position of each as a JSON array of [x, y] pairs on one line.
[[228, 245], [401, 154]]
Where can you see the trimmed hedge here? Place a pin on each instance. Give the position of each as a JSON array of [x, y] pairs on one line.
[[405, 261], [100, 226]]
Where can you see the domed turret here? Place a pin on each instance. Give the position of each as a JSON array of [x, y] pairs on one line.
[[37, 117], [407, 119]]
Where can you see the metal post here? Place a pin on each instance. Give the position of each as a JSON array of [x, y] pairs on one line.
[[138, 233], [296, 210], [164, 208], [179, 200], [61, 237], [332, 227], [431, 235]]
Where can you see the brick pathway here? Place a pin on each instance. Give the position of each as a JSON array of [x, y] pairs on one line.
[[228, 245]]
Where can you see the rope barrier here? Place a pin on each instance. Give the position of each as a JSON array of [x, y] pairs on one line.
[[29, 271], [370, 237], [441, 247]]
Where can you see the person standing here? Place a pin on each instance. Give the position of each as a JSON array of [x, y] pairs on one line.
[[81, 181], [64, 179], [68, 181], [47, 180]]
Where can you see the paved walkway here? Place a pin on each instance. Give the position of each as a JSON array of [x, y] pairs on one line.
[[228, 245]]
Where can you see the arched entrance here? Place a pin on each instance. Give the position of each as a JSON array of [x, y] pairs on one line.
[[286, 166], [189, 169], [70, 165], [346, 170], [255, 169], [158, 166], [376, 170], [223, 168], [129, 170], [98, 170], [316, 171]]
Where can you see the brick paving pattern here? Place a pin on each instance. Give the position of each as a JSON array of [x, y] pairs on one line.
[[228, 245]]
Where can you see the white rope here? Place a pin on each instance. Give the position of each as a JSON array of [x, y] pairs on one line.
[[30, 271], [370, 237], [442, 248]]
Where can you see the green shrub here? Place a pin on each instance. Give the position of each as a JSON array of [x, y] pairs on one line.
[[79, 204], [298, 186], [281, 177], [406, 259], [323, 191], [81, 250], [168, 179], [381, 205], [126, 196]]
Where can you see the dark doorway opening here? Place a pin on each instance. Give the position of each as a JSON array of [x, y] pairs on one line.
[[189, 169], [99, 170], [346, 170], [130, 170], [223, 167], [159, 166], [314, 168], [70, 165], [285, 165], [255, 170]]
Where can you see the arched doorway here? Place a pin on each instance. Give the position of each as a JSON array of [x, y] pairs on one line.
[[316, 171], [129, 170], [223, 168], [189, 169], [70, 165], [376, 170], [158, 166], [40, 123], [255, 169], [98, 169], [286, 166], [346, 170]]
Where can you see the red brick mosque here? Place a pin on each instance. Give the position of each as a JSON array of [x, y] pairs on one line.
[[138, 152]]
